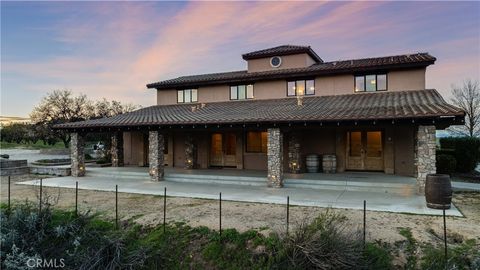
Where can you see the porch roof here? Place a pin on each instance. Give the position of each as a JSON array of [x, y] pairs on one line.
[[416, 104]]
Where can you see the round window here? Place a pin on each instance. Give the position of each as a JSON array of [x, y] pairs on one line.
[[275, 61]]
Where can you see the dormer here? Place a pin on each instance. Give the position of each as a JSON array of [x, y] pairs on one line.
[[281, 57]]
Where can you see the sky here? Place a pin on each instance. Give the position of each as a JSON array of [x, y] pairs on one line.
[[113, 49]]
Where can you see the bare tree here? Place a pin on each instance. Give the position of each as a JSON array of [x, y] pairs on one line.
[[60, 106], [467, 97]]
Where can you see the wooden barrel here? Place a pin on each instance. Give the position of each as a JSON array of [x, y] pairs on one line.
[[329, 163], [438, 191], [312, 163]]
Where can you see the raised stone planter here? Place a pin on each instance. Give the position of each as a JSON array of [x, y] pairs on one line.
[[49, 170], [52, 162], [13, 167]]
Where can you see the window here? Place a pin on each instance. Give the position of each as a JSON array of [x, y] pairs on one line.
[[371, 83], [187, 95], [257, 142], [241, 92], [301, 88]]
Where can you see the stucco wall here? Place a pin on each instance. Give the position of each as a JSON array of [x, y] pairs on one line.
[[288, 61], [324, 86]]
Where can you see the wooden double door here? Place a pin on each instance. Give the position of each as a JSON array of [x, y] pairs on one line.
[[365, 150], [223, 149]]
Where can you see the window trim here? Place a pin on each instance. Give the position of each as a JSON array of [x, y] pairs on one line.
[[365, 82], [246, 91], [191, 96], [305, 80]]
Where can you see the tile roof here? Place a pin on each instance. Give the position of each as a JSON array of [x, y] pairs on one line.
[[352, 107], [334, 67], [283, 50]]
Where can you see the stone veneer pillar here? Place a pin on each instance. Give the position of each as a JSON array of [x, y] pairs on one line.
[[117, 149], [156, 155], [189, 152], [275, 157], [294, 156], [77, 145], [425, 148]]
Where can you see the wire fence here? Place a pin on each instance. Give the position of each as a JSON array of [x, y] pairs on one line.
[[287, 213]]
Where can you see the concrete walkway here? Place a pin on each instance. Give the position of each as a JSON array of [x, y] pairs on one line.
[[465, 186], [376, 201]]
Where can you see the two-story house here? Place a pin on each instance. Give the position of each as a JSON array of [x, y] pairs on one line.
[[372, 114]]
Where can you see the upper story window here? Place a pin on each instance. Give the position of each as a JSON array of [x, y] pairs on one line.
[[371, 83], [241, 91], [187, 95], [301, 88]]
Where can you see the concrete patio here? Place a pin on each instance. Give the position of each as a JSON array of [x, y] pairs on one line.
[[344, 190]]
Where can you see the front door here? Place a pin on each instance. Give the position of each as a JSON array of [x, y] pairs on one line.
[[365, 150], [223, 148]]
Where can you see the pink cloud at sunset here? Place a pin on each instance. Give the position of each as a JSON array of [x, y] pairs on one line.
[[113, 49]]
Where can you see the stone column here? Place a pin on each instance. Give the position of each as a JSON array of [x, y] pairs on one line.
[[425, 147], [275, 157], [294, 156], [117, 149], [190, 152], [155, 155], [77, 154]]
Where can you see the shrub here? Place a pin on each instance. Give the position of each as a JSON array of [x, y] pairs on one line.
[[446, 164], [377, 256], [466, 149], [324, 244], [464, 256]]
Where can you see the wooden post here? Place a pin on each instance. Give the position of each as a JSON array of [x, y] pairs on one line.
[[164, 208]]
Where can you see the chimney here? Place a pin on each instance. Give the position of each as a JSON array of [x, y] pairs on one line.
[[299, 100]]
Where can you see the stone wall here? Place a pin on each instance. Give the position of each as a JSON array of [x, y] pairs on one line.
[[425, 147], [156, 155], [190, 152], [275, 157], [77, 145], [294, 153], [117, 149]]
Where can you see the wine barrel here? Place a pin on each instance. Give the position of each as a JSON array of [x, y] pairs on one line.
[[313, 161], [438, 191], [329, 163]]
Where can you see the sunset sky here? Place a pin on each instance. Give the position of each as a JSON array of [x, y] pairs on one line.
[[113, 49]]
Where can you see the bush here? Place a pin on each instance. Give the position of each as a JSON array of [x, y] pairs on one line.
[[464, 256], [324, 244], [466, 149], [446, 164], [378, 257]]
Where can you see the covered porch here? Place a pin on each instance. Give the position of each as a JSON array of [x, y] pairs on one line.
[[389, 193]]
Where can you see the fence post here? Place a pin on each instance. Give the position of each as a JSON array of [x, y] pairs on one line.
[[76, 198], [445, 235], [116, 207], [9, 194], [40, 198], [288, 212], [164, 208], [364, 223], [220, 217]]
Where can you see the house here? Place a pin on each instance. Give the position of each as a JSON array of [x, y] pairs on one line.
[[372, 114]]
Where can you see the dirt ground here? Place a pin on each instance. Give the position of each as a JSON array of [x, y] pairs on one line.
[[148, 210]]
